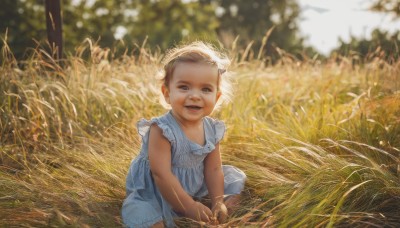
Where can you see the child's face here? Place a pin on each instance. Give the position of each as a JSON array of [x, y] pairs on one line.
[[192, 91]]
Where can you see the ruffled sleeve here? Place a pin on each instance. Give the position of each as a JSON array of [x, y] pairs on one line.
[[144, 125], [219, 127]]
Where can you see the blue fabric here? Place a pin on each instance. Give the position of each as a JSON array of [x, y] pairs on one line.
[[144, 205]]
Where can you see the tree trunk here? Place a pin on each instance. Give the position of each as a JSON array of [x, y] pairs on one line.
[[54, 27]]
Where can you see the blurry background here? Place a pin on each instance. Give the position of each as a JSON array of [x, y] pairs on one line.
[[301, 27], [319, 139]]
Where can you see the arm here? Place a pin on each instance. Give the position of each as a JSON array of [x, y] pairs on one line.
[[214, 176], [215, 182], [166, 182]]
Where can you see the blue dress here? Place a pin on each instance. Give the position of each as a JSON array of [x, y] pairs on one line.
[[144, 206]]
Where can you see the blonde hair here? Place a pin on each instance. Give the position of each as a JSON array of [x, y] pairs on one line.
[[198, 52]]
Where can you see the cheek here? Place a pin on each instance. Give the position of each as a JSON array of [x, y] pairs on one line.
[[176, 95], [212, 98]]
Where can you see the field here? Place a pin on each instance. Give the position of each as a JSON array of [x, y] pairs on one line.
[[319, 141]]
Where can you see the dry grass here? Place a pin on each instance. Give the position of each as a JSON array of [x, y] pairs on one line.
[[320, 142]]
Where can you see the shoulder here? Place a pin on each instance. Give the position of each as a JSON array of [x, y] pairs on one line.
[[159, 125], [215, 123], [163, 124], [217, 126], [157, 133]]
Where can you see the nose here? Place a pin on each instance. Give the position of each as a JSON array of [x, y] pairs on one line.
[[194, 95]]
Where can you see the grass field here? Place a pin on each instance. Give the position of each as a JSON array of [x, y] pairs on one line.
[[319, 141]]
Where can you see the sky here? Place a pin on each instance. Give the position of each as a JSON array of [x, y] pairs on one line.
[[324, 21]]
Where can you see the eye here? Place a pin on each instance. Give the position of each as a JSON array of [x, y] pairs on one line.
[[183, 87], [207, 90]]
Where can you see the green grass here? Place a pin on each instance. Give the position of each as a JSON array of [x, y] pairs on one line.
[[320, 142]]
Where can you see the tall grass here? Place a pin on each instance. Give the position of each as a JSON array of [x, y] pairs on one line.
[[320, 142]]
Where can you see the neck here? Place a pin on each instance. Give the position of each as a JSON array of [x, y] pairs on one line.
[[187, 124]]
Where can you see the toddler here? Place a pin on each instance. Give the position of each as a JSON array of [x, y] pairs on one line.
[[179, 162]]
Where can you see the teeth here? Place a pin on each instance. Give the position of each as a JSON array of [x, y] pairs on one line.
[[195, 107]]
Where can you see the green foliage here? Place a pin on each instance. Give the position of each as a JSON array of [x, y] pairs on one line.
[[388, 6], [250, 20], [163, 22], [168, 22], [160, 23], [318, 142], [24, 22], [382, 45]]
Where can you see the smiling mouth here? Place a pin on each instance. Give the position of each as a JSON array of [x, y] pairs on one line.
[[193, 107]]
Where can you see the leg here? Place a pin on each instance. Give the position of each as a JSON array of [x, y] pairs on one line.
[[158, 225], [232, 203], [234, 180], [136, 212]]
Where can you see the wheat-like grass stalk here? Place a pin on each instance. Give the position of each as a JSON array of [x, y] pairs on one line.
[[319, 142]]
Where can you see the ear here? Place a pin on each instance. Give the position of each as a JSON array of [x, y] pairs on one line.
[[218, 96], [165, 92]]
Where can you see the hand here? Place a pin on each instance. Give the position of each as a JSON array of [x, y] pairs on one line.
[[220, 213], [198, 212]]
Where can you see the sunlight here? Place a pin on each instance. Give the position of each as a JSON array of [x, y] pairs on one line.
[[324, 22]]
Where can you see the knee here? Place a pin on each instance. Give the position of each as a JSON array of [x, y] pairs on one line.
[[159, 224], [234, 180]]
